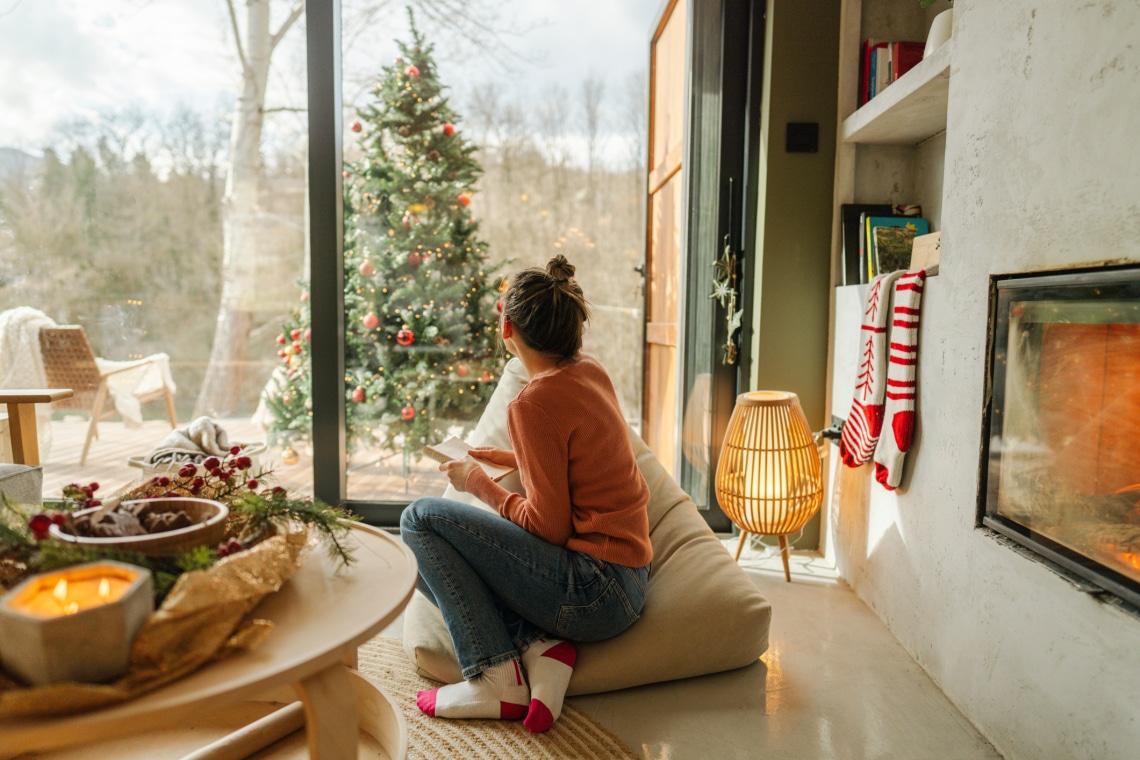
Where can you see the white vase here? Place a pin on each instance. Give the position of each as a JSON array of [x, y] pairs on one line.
[[940, 31]]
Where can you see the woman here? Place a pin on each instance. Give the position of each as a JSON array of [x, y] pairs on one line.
[[571, 560]]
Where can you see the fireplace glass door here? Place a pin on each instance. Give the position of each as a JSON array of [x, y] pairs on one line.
[[1063, 422]]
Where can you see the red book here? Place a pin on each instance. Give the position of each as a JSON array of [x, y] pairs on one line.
[[904, 56]]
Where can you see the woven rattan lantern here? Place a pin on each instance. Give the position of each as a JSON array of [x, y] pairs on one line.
[[769, 479]]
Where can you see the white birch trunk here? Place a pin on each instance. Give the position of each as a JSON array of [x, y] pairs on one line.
[[221, 387]]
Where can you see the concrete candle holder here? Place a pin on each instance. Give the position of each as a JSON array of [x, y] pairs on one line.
[[75, 624]]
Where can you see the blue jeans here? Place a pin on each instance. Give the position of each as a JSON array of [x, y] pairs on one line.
[[501, 588]]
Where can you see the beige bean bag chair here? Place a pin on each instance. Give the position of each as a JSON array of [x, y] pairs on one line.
[[702, 614]]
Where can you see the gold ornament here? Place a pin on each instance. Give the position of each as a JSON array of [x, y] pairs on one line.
[[289, 456]]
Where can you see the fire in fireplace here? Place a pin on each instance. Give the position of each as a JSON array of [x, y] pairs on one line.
[[1061, 468]]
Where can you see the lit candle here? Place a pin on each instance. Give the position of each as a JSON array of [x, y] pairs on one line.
[[76, 624]]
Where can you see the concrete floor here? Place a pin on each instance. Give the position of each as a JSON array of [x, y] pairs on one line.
[[833, 684]]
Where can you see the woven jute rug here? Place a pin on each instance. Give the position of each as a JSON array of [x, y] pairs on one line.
[[574, 736]]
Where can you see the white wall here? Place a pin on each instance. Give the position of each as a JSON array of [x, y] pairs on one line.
[[1042, 171]]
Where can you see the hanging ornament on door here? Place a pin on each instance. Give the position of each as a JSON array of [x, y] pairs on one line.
[[724, 291]]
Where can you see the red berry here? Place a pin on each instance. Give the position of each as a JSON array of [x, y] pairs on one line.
[[252, 484], [164, 481], [235, 450], [295, 333], [244, 463], [211, 463], [94, 503], [39, 525], [281, 340], [187, 471], [58, 518], [94, 487]]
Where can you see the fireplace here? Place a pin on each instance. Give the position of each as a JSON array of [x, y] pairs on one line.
[[1061, 444]]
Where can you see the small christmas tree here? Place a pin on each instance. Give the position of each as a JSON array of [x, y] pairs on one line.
[[421, 317]]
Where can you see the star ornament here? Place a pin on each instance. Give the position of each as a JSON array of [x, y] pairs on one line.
[[721, 291]]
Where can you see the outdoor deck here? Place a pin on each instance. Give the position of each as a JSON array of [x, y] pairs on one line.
[[370, 477]]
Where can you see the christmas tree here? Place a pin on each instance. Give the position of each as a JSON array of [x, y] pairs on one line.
[[421, 298]]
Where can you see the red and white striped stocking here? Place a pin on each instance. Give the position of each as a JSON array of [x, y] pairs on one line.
[[865, 420], [901, 383]]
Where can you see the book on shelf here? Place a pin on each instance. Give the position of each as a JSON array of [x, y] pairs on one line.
[[452, 448], [884, 61], [856, 236], [904, 55], [866, 75], [926, 252], [849, 221], [892, 238]]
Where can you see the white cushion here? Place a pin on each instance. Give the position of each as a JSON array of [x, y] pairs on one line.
[[702, 614], [22, 484]]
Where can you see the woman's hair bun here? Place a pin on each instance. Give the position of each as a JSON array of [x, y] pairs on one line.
[[559, 269]]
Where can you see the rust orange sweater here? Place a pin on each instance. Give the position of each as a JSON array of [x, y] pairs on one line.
[[583, 488]]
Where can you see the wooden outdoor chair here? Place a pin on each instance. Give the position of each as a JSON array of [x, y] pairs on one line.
[[69, 362]]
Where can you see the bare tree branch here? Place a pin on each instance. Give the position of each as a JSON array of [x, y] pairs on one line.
[[292, 19], [290, 109], [237, 37]]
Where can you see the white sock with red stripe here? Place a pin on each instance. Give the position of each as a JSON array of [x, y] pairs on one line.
[[497, 692], [901, 383], [549, 665], [861, 431]]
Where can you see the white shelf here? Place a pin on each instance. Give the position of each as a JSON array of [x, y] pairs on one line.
[[910, 110]]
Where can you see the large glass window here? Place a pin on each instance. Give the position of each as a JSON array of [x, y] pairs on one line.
[[476, 145], [152, 196]]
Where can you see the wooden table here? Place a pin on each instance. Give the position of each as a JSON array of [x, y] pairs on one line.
[[320, 617], [22, 419]]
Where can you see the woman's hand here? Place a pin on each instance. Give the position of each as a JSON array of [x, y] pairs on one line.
[[457, 471], [494, 455]]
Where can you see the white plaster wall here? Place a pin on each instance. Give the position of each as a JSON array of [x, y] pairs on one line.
[[1042, 171]]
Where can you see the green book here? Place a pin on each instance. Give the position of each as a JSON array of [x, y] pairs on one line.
[[892, 239]]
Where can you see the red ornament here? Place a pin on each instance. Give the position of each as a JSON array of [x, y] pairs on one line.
[[295, 333], [308, 335], [370, 321], [411, 71], [499, 305], [449, 129], [358, 394], [304, 297], [296, 347], [357, 126], [281, 340], [464, 199], [461, 370], [486, 378], [366, 269], [414, 259], [405, 337], [409, 218], [407, 412]]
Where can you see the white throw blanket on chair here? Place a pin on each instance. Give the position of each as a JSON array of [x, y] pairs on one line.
[[150, 374], [22, 364]]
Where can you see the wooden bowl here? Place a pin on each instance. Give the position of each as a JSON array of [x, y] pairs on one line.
[[209, 528]]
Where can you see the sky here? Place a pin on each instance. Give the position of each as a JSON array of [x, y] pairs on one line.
[[62, 59]]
